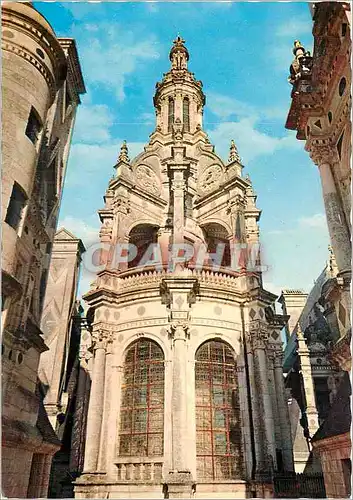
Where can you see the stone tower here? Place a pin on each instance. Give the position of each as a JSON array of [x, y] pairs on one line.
[[41, 87], [187, 392]]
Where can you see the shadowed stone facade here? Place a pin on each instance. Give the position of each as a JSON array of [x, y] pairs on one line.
[[320, 112], [41, 84], [181, 365]]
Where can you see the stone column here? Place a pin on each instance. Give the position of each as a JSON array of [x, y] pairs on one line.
[[164, 237], [179, 424], [245, 417], [259, 339], [255, 406], [272, 390], [178, 188], [179, 293], [47, 461], [311, 411], [95, 409], [283, 415], [325, 157], [108, 382], [37, 469], [113, 419]]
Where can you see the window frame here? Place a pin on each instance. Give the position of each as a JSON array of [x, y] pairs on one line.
[[34, 127], [139, 427], [186, 114], [171, 113], [226, 387], [12, 218]]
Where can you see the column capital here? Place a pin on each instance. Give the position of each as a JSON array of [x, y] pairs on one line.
[[278, 358], [101, 339], [323, 153], [179, 330], [258, 335]]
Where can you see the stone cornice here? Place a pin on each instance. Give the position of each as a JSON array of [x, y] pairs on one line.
[[24, 22], [322, 152], [10, 286], [35, 61], [333, 442]]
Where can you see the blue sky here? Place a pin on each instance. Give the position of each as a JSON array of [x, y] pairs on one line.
[[241, 52]]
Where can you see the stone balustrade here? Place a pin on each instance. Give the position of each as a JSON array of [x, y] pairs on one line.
[[148, 278], [144, 469]]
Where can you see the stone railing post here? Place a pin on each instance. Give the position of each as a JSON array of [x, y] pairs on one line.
[[96, 402]]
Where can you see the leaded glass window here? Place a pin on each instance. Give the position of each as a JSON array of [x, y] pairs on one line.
[[218, 432], [142, 401]]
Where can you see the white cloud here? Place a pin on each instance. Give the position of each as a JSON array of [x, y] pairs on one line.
[[251, 142], [111, 54], [273, 287], [89, 234], [88, 160], [93, 123], [315, 221], [295, 27], [224, 106], [148, 118]]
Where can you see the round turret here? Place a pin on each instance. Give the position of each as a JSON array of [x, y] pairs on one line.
[[33, 69]]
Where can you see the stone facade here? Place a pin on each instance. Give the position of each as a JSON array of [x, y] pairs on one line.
[[321, 113], [58, 311], [182, 366], [40, 92], [310, 378]]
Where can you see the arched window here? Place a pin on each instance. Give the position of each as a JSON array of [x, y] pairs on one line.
[[218, 426], [142, 236], [186, 114], [170, 114], [142, 401]]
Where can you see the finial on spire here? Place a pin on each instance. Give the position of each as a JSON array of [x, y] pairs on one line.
[[124, 153], [233, 152], [179, 54]]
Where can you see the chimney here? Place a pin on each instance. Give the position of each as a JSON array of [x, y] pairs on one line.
[[293, 302]]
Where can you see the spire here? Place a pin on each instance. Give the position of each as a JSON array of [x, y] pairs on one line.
[[179, 54], [233, 153], [123, 155]]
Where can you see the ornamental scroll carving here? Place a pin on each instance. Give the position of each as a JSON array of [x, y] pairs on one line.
[[146, 178], [211, 178], [258, 335], [323, 153], [101, 339]]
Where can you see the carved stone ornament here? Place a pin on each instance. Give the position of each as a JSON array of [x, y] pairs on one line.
[[211, 178], [101, 339], [323, 153], [179, 330], [178, 130], [146, 178]]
